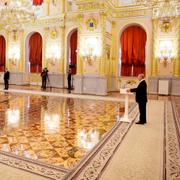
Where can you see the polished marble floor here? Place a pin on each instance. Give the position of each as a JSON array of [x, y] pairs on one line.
[[54, 130]]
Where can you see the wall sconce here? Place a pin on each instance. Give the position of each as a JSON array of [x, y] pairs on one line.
[[53, 54], [14, 55], [91, 49], [89, 56], [52, 59], [166, 51]]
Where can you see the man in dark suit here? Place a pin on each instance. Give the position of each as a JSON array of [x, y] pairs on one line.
[[141, 98], [45, 77], [6, 79], [69, 79]]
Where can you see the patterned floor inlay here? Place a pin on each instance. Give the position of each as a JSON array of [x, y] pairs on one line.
[[172, 142], [91, 168], [51, 135]]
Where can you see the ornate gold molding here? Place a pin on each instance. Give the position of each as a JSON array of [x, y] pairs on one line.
[[58, 21], [90, 5], [131, 12]]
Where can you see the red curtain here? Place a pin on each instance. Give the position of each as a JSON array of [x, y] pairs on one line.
[[126, 44], [2, 53], [35, 55], [73, 51], [133, 41], [37, 2]]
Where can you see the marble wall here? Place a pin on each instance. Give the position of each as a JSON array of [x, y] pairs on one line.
[[174, 84]]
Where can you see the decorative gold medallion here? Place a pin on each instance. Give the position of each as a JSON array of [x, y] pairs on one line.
[[54, 34], [166, 25]]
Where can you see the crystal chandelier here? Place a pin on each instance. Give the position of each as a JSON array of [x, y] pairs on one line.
[[166, 9], [13, 13], [161, 8]]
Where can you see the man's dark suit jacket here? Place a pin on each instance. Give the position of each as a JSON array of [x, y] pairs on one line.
[[6, 75], [141, 92]]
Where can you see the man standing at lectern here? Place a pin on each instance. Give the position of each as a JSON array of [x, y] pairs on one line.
[[141, 98]]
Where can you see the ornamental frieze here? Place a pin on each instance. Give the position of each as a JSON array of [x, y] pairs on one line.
[[91, 6], [130, 13], [48, 22]]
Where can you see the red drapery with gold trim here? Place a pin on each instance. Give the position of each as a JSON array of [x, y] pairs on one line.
[[133, 41], [2, 53], [73, 51], [35, 55], [37, 2]]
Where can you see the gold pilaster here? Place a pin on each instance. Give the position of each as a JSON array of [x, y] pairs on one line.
[[176, 71], [63, 5], [7, 51], [114, 63], [80, 18], [62, 47], [22, 51], [47, 5], [154, 44], [103, 33], [45, 60]]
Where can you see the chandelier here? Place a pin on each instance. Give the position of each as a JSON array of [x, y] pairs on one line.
[[13, 13], [161, 8]]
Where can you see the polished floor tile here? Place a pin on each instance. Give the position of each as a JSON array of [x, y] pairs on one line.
[[54, 130]]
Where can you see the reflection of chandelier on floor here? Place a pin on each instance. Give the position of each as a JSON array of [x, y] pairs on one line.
[[15, 12]]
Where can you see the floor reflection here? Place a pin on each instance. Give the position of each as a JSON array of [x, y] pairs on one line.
[[54, 130]]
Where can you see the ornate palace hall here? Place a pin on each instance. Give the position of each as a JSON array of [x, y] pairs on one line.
[[75, 79]]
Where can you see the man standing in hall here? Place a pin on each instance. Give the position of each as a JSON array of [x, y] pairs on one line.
[[69, 79], [141, 98], [6, 79], [45, 77]]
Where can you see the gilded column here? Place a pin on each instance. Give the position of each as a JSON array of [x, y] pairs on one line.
[[177, 49], [114, 63], [62, 49], [7, 51], [80, 18], [47, 7], [63, 5], [45, 38], [155, 48], [103, 36], [22, 57]]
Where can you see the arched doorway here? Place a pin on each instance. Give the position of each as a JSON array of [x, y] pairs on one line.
[[72, 50], [34, 52], [2, 53], [132, 51]]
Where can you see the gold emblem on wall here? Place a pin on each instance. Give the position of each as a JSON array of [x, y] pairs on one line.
[[54, 34], [166, 25], [91, 24]]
